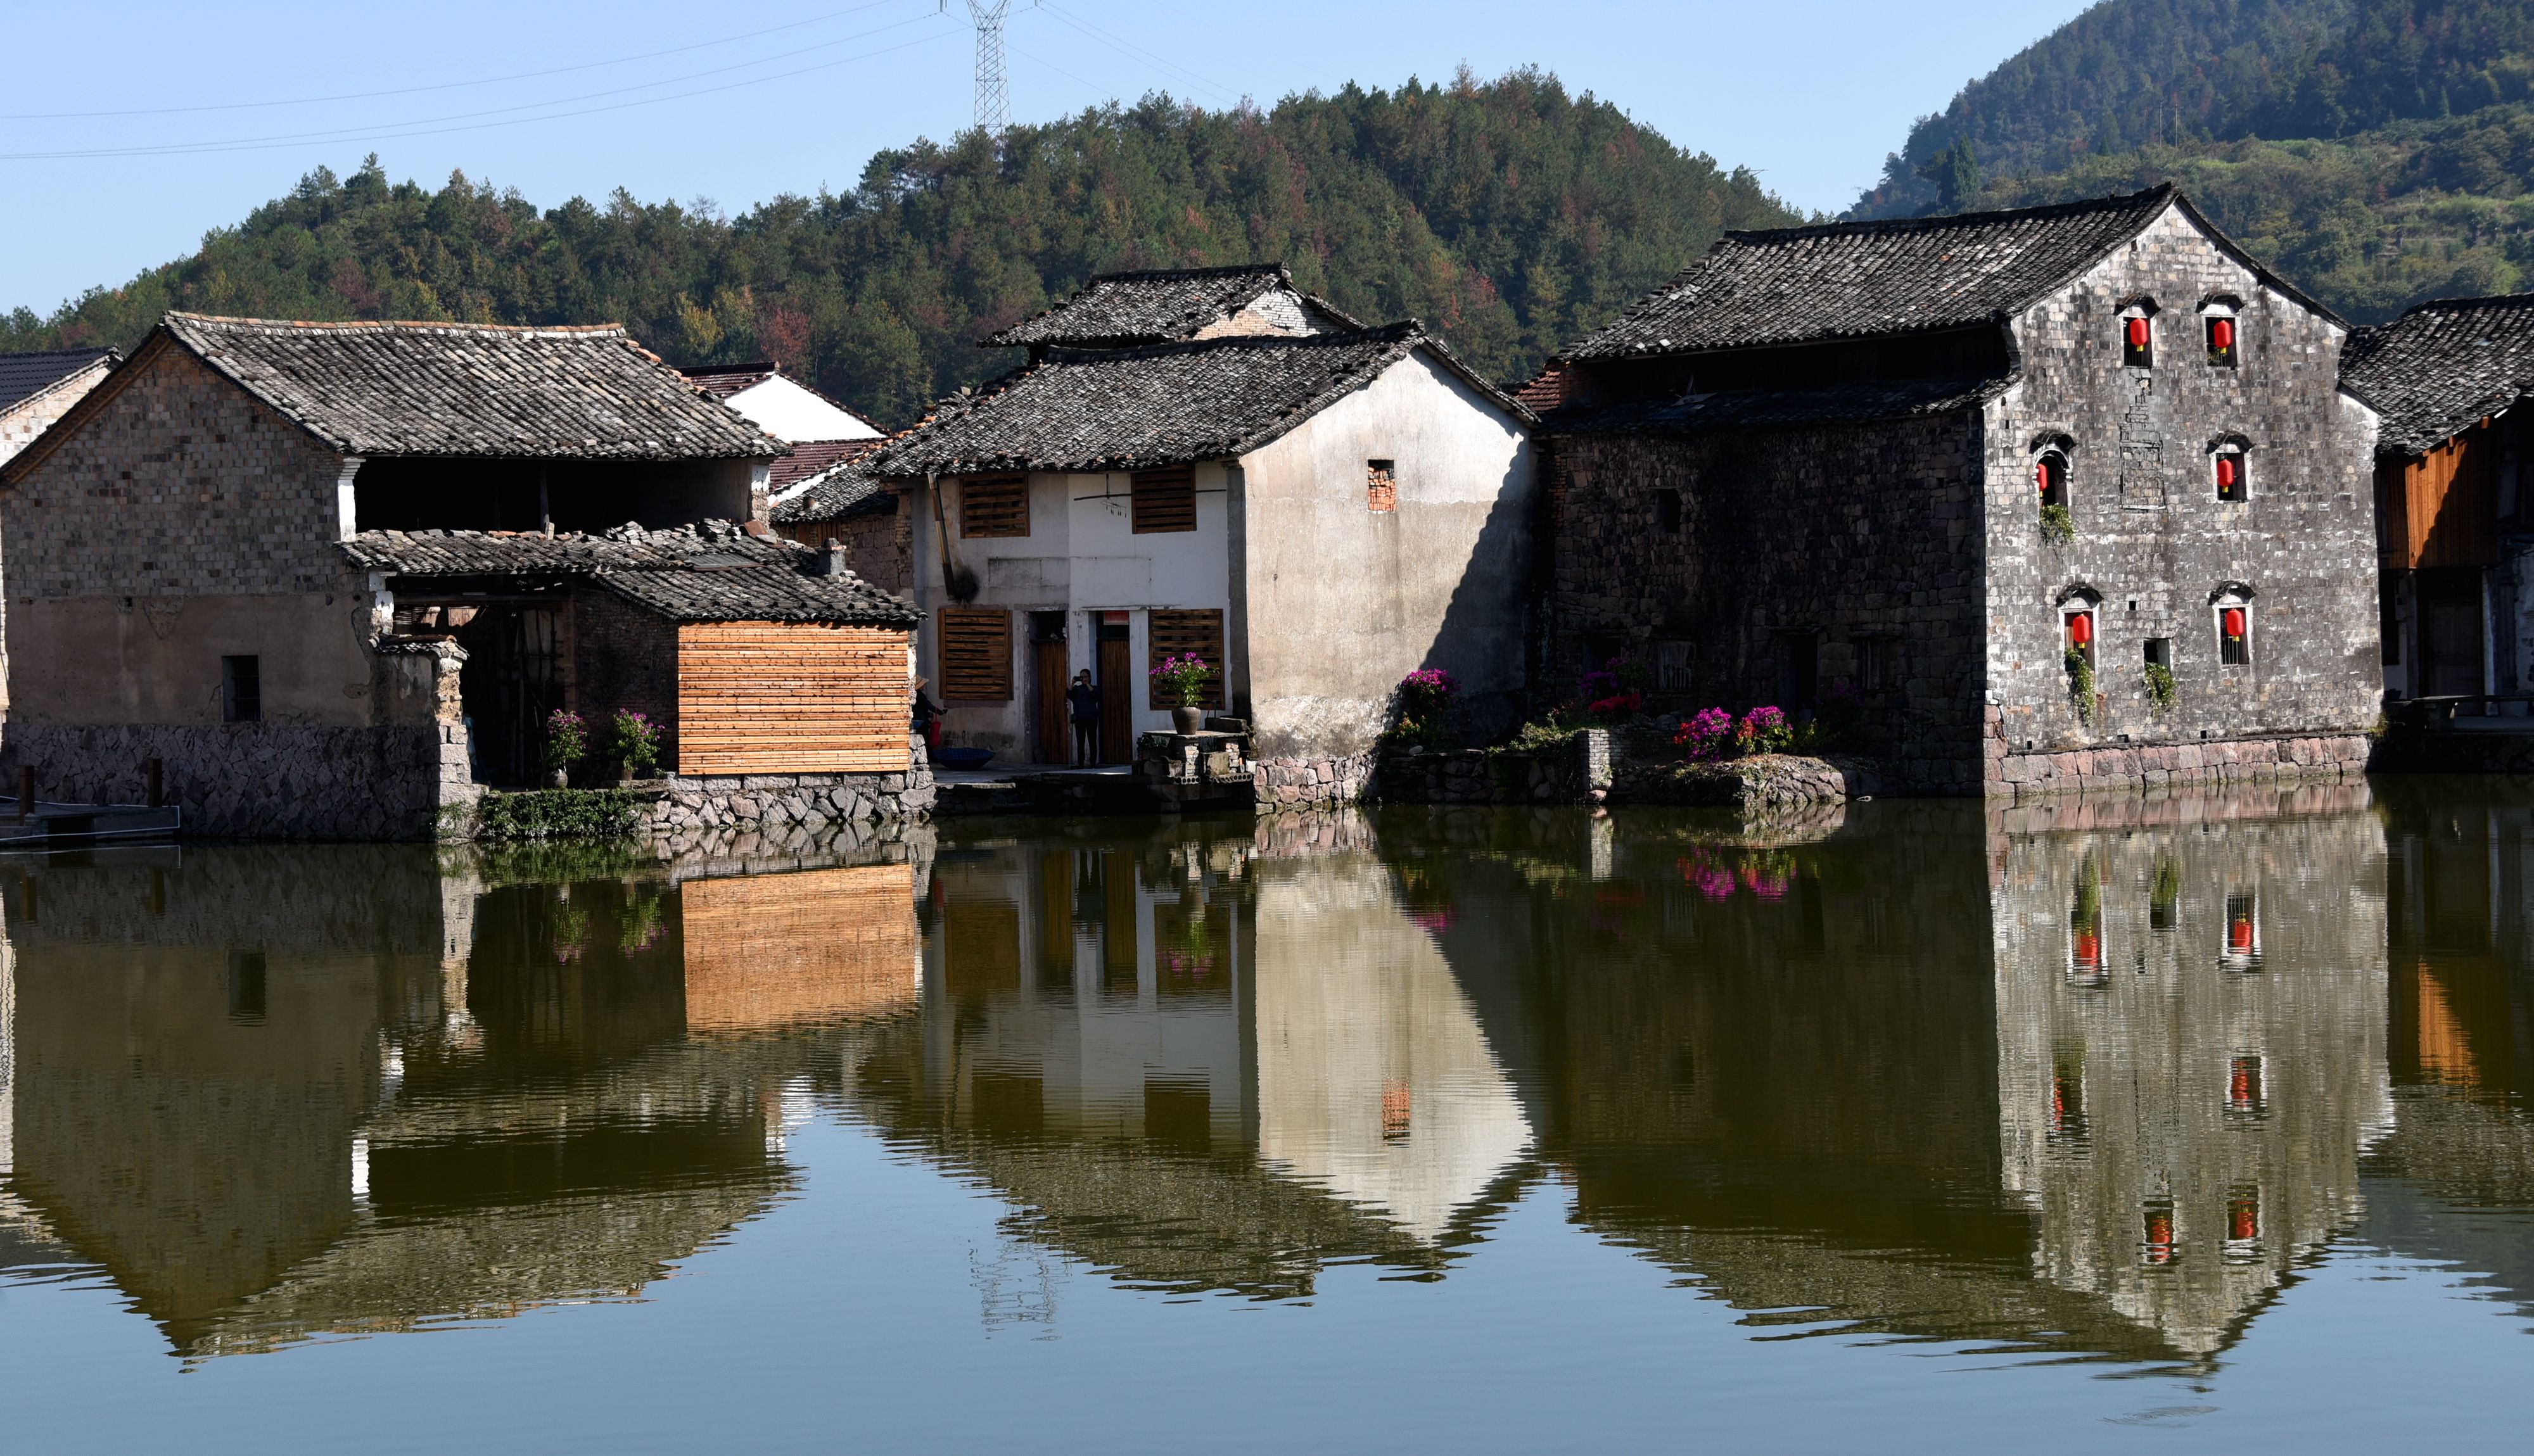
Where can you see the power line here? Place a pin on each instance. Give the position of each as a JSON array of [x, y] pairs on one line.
[[1132, 51], [430, 127], [452, 85]]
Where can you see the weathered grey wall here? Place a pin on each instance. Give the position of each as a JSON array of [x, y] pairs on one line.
[[1848, 531], [2152, 539], [1343, 600]]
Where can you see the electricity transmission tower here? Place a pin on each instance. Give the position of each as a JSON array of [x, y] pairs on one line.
[[994, 92]]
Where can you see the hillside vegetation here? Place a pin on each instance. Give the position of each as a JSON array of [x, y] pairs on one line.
[[1508, 214], [2378, 152]]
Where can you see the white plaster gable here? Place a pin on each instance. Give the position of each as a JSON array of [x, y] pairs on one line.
[[792, 414]]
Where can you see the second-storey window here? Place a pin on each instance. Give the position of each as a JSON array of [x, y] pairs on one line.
[[1164, 499], [2224, 346], [994, 506], [1381, 485], [2232, 469], [2234, 621], [2137, 337]]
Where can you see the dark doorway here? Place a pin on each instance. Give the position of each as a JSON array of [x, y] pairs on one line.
[[1798, 669], [1116, 690], [1048, 663], [2450, 643], [513, 678]]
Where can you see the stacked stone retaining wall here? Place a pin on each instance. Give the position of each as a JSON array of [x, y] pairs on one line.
[[255, 781], [1286, 783], [2024, 774]]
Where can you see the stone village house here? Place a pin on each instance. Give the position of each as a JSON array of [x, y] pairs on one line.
[[1928, 458], [2457, 544], [35, 389], [320, 579], [1206, 460]]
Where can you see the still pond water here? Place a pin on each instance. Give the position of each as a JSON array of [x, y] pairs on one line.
[[2177, 1125]]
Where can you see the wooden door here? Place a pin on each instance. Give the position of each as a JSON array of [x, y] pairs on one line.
[[1046, 681], [2451, 648], [1116, 696]]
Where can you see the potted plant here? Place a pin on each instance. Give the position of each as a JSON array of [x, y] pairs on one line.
[[637, 745], [566, 743], [1184, 675]]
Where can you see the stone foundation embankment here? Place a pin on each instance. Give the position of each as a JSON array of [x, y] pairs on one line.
[[1281, 784], [687, 805], [2254, 760], [254, 780]]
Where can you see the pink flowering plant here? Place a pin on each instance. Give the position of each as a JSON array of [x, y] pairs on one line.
[[1707, 737], [567, 739], [1425, 698], [1183, 675], [1763, 730]]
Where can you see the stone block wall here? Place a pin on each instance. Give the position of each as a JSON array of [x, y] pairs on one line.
[[20, 425], [1848, 532], [1285, 783], [880, 547], [2152, 544], [689, 804]]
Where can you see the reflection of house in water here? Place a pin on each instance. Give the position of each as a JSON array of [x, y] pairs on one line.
[[2191, 1044], [277, 1093], [1200, 1066]]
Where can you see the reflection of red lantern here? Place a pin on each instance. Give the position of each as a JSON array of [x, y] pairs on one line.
[[2138, 333], [2221, 334], [2244, 1216], [2244, 1083], [2081, 627], [2232, 619], [2239, 935], [2225, 472], [2159, 1236]]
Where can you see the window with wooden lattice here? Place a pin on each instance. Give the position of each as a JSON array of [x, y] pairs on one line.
[[976, 653], [1381, 485], [1177, 634], [1164, 499], [994, 505]]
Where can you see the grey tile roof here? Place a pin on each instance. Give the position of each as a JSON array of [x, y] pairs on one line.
[[722, 380], [465, 389], [2441, 367], [715, 572], [1858, 280], [22, 376], [812, 459], [1153, 307], [1169, 404], [1729, 409], [846, 491]]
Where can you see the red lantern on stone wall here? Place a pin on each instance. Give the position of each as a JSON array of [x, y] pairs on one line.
[[2232, 619], [2225, 472], [2081, 627], [2221, 334], [2138, 333]]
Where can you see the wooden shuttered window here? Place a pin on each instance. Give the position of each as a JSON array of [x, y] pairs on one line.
[[1164, 499], [1177, 633], [976, 653], [994, 505]]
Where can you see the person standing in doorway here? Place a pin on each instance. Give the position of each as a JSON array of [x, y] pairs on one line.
[[1084, 699]]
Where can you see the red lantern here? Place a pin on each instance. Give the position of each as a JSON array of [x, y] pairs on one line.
[[2041, 476], [2138, 333], [2232, 619], [2225, 472], [2081, 627], [2221, 334]]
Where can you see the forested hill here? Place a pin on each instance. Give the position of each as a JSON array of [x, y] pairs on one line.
[[1508, 214], [2378, 152]]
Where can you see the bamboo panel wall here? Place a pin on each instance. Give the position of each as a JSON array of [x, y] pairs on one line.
[[791, 698], [765, 952], [2443, 506]]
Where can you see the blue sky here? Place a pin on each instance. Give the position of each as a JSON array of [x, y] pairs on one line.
[[208, 110]]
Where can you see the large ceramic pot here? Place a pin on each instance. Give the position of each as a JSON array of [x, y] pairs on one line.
[[558, 777], [1187, 719]]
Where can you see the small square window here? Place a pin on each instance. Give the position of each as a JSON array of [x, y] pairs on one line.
[[1673, 662], [2222, 342], [1668, 512], [241, 689], [1162, 500], [2137, 341], [1381, 485], [2159, 653], [2234, 476]]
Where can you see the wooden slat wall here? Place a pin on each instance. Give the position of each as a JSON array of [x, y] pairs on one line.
[[772, 951], [1164, 499], [976, 653], [2449, 503], [994, 506], [1174, 633], [791, 698]]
